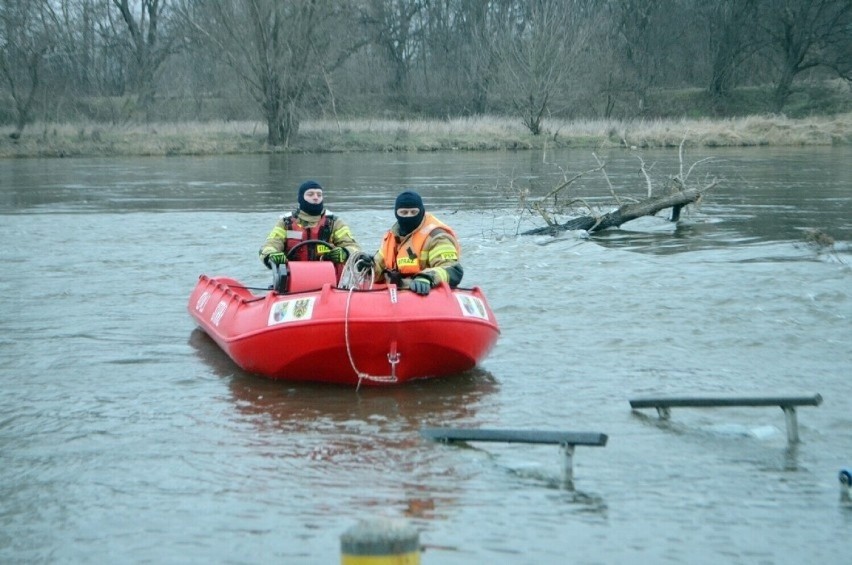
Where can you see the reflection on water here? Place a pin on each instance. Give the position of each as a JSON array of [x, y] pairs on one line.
[[344, 429], [405, 408]]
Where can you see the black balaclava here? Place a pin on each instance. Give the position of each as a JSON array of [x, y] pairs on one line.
[[310, 207], [409, 199]]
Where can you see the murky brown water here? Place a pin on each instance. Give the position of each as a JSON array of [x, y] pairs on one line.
[[127, 436]]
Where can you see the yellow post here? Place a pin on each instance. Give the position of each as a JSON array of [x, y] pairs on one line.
[[380, 541]]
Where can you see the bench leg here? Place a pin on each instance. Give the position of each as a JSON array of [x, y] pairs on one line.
[[664, 412], [792, 424], [568, 464]]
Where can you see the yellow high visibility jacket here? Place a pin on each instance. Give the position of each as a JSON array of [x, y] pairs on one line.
[[299, 226], [431, 251]]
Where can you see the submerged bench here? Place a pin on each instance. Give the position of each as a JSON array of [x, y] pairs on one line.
[[567, 440], [786, 403]]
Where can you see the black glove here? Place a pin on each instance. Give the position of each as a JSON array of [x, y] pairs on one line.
[[421, 285], [337, 255], [278, 257], [363, 263]]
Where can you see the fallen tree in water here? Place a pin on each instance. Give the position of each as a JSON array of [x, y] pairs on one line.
[[627, 212], [677, 196]]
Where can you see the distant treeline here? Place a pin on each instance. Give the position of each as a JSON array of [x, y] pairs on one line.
[[281, 62]]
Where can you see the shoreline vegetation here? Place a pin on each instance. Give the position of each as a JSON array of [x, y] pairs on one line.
[[487, 133]]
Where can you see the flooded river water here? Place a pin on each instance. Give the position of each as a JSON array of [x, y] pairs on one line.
[[126, 436]]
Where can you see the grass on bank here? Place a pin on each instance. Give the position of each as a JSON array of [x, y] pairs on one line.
[[466, 134]]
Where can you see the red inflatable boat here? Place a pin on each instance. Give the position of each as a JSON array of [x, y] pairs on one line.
[[311, 330]]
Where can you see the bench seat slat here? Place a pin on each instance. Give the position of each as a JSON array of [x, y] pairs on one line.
[[709, 402], [515, 436], [786, 403]]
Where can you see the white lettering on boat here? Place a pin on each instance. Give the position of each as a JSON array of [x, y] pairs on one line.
[[219, 312], [471, 306], [294, 310], [202, 301]]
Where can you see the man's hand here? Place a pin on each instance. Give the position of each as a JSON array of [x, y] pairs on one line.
[[364, 263], [279, 258], [421, 285], [337, 255]]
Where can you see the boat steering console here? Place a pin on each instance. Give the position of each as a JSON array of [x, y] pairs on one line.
[[281, 273]]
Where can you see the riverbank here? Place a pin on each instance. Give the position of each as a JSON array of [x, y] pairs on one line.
[[461, 134]]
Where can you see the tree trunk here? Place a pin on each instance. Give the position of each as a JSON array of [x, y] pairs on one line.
[[273, 130], [783, 89], [624, 214], [24, 102], [148, 50]]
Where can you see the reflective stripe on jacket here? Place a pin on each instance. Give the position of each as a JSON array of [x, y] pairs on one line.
[[297, 233], [410, 255], [294, 228]]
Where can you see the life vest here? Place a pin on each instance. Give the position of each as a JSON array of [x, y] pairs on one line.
[[405, 259], [296, 233]]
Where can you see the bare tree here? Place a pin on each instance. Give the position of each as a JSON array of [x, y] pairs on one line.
[[730, 40], [482, 62], [25, 40], [639, 37], [538, 49], [460, 39], [74, 33], [281, 51], [804, 34], [149, 42], [90, 61], [395, 26]]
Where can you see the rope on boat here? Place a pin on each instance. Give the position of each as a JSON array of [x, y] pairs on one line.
[[353, 279]]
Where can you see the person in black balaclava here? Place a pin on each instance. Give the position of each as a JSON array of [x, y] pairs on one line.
[[419, 252], [315, 206], [310, 221], [409, 200]]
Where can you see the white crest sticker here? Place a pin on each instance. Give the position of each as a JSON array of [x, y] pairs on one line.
[[291, 311], [472, 306]]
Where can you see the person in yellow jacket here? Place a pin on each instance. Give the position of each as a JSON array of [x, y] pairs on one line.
[[419, 252], [310, 221]]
